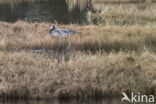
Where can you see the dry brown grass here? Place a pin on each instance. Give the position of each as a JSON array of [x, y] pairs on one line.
[[116, 55], [22, 35], [83, 3], [123, 1], [123, 14], [114, 67], [30, 75]]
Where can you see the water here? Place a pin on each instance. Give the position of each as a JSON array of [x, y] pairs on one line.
[[50, 11], [56, 11], [104, 101], [86, 101]]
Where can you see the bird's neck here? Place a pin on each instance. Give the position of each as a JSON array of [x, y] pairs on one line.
[[50, 30]]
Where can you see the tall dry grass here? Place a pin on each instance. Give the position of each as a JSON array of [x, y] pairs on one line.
[[79, 3], [22, 35], [106, 59], [83, 3], [122, 1], [30, 75], [122, 14], [123, 60]]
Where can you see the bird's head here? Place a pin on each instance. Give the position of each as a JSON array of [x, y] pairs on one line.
[[52, 28]]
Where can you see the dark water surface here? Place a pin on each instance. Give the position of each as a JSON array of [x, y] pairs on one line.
[[104, 101], [42, 11]]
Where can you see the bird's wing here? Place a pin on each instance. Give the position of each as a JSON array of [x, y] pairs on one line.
[[72, 31], [62, 29], [67, 31], [56, 33], [63, 32]]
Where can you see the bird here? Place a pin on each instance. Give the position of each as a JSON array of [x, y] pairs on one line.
[[61, 32]]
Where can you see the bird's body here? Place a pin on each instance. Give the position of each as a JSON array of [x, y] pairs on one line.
[[61, 32]]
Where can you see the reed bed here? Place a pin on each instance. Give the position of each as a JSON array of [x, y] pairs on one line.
[[77, 3], [122, 14], [122, 1], [118, 54], [99, 61], [30, 75], [23, 36], [82, 4]]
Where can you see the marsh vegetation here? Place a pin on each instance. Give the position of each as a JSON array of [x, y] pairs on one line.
[[115, 51], [83, 65]]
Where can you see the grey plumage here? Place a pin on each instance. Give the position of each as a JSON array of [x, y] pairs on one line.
[[61, 32]]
